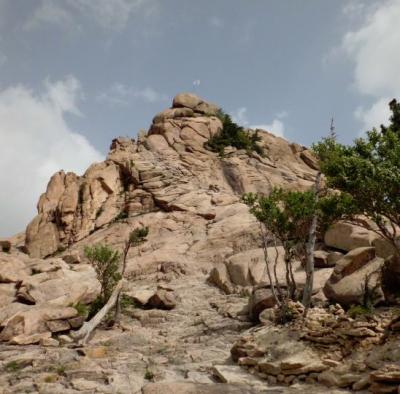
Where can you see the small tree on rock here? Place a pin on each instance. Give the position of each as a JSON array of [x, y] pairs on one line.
[[368, 173], [294, 219], [135, 239], [106, 263]]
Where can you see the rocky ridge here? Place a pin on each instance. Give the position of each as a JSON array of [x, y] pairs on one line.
[[201, 238]]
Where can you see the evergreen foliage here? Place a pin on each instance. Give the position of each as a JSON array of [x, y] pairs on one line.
[[368, 174], [138, 236], [106, 263], [287, 217], [234, 135]]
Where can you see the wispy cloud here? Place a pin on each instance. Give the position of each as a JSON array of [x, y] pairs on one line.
[[120, 94], [112, 15], [36, 142], [276, 127], [373, 49]]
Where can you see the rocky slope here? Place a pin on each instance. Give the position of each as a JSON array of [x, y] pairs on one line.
[[202, 259]]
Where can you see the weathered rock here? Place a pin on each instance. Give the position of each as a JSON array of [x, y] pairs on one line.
[[260, 299], [162, 299], [12, 269], [233, 374], [24, 339], [346, 237], [167, 169], [195, 388], [219, 276], [141, 296], [325, 259], [338, 379], [58, 325], [72, 258], [195, 103], [33, 320], [7, 293], [347, 282], [283, 353], [5, 245]]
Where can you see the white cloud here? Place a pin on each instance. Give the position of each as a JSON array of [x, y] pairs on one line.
[[109, 14], [240, 116], [275, 127], [374, 50], [150, 95], [36, 142], [353, 8], [375, 115], [50, 12], [122, 95]]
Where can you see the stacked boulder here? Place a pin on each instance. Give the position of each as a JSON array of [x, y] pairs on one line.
[[39, 298]]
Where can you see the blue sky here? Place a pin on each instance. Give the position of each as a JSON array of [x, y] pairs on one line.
[[76, 73]]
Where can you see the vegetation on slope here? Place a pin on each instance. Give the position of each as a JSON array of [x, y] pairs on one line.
[[234, 135]]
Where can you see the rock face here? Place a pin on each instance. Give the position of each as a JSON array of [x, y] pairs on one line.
[[357, 270], [166, 169], [180, 329], [346, 237], [36, 296]]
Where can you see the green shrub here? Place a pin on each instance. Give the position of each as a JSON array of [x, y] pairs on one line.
[[359, 310], [106, 263], [127, 302], [148, 375], [12, 366], [284, 314], [122, 215], [82, 309], [233, 135]]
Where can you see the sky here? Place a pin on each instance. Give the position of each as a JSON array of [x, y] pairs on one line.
[[74, 74]]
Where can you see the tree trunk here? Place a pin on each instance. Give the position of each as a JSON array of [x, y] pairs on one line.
[[312, 235], [265, 247], [83, 334], [118, 302], [278, 285]]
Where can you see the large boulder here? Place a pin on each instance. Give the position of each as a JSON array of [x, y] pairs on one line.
[[189, 100], [36, 296], [346, 237], [278, 351], [260, 299], [34, 321], [356, 271]]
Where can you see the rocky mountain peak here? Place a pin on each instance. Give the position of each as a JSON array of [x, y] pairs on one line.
[[198, 283], [164, 169]]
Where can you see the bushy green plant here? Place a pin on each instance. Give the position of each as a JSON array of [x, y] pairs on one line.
[[368, 172], [356, 311], [287, 216], [232, 134], [138, 236], [82, 309], [12, 366], [121, 216], [284, 314], [135, 239], [148, 375], [106, 263]]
